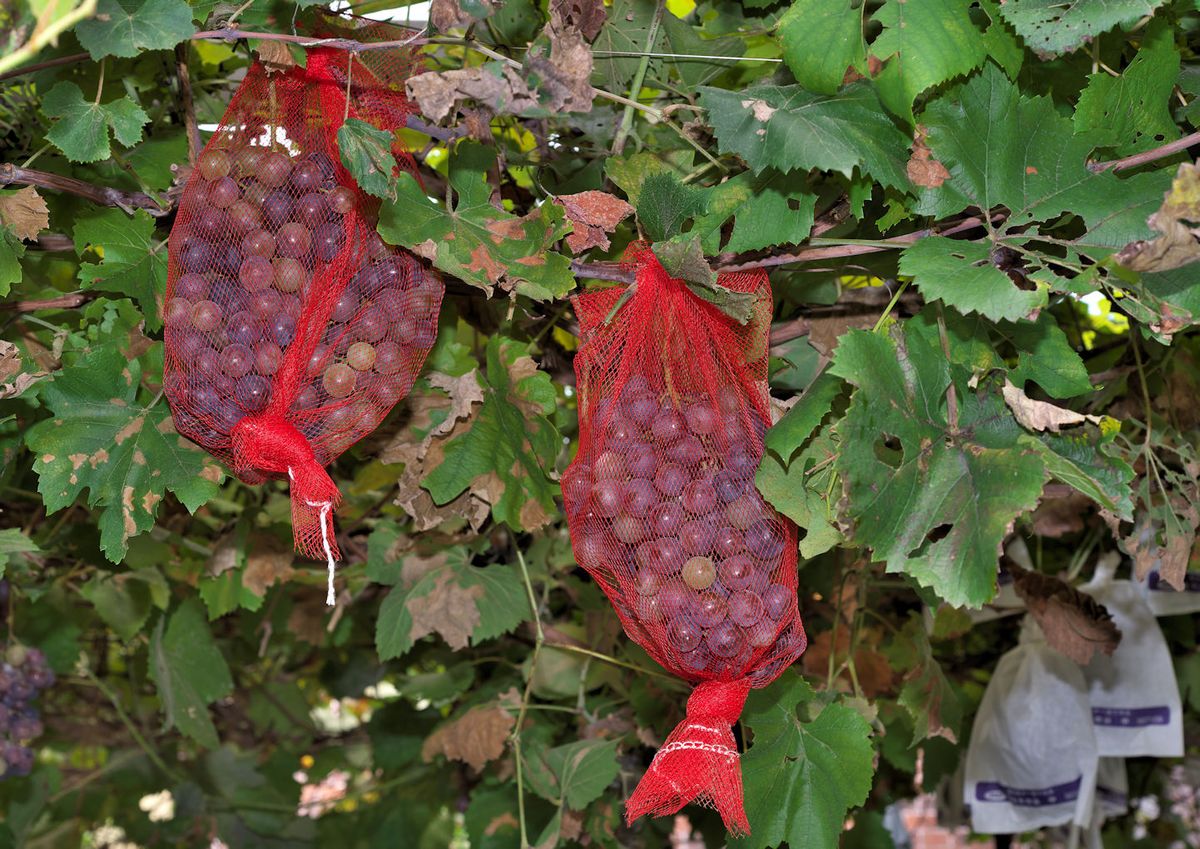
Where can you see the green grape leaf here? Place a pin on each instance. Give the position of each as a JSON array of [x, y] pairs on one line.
[[962, 275], [1085, 459], [1000, 42], [932, 497], [684, 40], [508, 450], [366, 152], [802, 774], [622, 40], [128, 27], [629, 172], [81, 129], [445, 594], [1045, 356], [1132, 112], [574, 775], [477, 242], [788, 128], [1051, 27], [665, 204], [840, 23], [134, 263], [787, 435], [802, 488], [104, 439], [923, 44], [14, 541], [11, 251], [189, 671], [124, 604]]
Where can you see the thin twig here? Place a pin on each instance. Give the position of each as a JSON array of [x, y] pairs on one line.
[[951, 391], [62, 302], [1160, 152], [638, 78], [186, 102], [102, 195], [307, 40], [129, 724], [539, 639], [69, 59]]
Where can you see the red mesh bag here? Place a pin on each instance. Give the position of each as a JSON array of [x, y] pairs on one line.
[[291, 328], [664, 514]]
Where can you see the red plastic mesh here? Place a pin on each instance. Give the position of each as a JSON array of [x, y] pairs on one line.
[[291, 328], [665, 516]]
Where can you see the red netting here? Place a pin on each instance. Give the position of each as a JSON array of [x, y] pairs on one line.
[[665, 516], [291, 328]]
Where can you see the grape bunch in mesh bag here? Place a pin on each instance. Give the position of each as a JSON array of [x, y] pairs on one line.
[[23, 674], [664, 514], [291, 328]]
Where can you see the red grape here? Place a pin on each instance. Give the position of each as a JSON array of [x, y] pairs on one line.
[[745, 608], [341, 200], [640, 497], [293, 240], [274, 169], [699, 497], [670, 479], [724, 640], [259, 243], [699, 573], [389, 359], [710, 611], [777, 600], [265, 304], [667, 427], [684, 636], [701, 419], [256, 273], [177, 312], [206, 316], [267, 357], [629, 529], [307, 176], [244, 217], [697, 536], [666, 518], [736, 571], [609, 465], [223, 193], [607, 496], [236, 360]]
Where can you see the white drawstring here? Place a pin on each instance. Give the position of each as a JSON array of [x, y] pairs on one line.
[[331, 564]]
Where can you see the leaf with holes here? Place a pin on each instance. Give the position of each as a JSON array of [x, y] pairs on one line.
[[134, 263], [963, 275], [930, 489], [1132, 112], [103, 438], [475, 241]]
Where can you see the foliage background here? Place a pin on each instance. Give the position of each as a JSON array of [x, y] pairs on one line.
[[945, 194]]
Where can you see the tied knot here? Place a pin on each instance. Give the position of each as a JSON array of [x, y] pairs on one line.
[[718, 700], [270, 443]]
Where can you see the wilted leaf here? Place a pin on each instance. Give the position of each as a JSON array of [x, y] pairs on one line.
[[268, 562], [1074, 623], [1041, 415], [930, 699], [274, 55], [594, 215], [475, 738], [14, 381], [366, 152], [24, 212], [587, 16], [1178, 220], [448, 14]]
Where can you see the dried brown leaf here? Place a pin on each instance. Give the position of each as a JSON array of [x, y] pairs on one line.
[[475, 738], [24, 212], [1057, 517], [594, 215], [922, 168], [448, 609], [1074, 623], [448, 14], [587, 16], [1041, 415], [268, 563], [275, 56], [1178, 220], [13, 381]]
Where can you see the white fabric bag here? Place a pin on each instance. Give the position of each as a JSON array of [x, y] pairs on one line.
[[1032, 759], [1112, 788], [1165, 600], [1136, 708]]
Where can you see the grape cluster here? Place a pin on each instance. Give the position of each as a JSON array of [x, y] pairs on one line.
[[257, 258], [23, 674], [666, 514]]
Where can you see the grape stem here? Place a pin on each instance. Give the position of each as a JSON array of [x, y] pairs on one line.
[[127, 721], [539, 640]]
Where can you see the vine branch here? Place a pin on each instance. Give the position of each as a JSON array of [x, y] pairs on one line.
[[101, 195], [1154, 153]]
